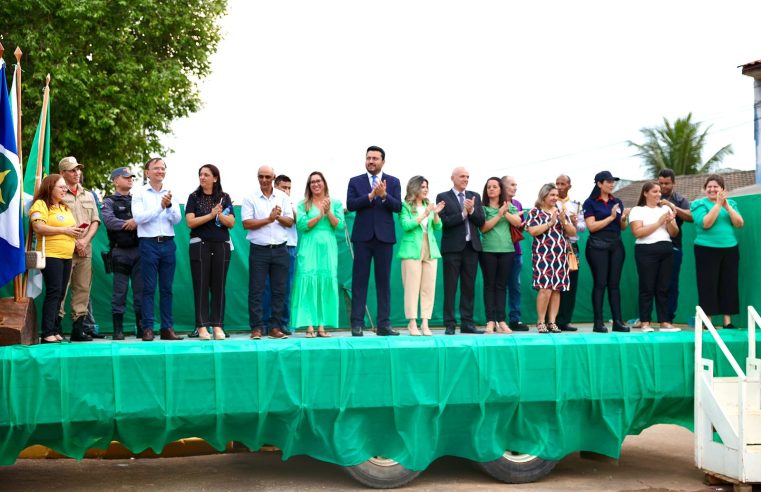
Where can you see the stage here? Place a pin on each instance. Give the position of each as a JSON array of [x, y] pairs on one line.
[[344, 400]]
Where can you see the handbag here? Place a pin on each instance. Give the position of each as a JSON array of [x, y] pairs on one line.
[[516, 234], [573, 261], [35, 260]]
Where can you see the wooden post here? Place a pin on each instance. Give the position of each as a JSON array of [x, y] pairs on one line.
[[18, 281]]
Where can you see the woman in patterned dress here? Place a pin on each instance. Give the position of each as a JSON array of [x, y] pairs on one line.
[[549, 229]]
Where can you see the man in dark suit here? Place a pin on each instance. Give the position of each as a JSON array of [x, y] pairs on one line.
[[461, 219], [375, 196]]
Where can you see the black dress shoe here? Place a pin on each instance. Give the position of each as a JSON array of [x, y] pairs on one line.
[[387, 332], [730, 326], [472, 330], [194, 334], [517, 326], [286, 332], [567, 328], [80, 337], [92, 334], [356, 331], [449, 330], [600, 328], [620, 327]]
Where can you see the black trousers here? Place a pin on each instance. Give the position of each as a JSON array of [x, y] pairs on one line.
[[263, 262], [717, 276], [209, 262], [496, 268], [606, 264], [654, 264], [461, 266], [56, 275], [568, 297]]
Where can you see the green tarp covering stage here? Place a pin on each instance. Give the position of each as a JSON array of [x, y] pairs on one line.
[[343, 400]]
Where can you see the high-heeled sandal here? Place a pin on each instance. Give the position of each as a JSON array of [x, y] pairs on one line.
[[553, 328], [203, 333], [219, 333], [503, 327], [321, 333], [309, 333], [489, 329], [426, 331], [541, 328]]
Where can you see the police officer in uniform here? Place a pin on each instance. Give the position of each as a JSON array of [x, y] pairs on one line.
[[125, 255]]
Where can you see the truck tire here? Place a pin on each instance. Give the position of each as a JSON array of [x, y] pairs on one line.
[[381, 473], [518, 468]]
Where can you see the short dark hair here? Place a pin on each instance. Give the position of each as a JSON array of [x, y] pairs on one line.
[[151, 161], [376, 149], [715, 177], [667, 173], [281, 178]]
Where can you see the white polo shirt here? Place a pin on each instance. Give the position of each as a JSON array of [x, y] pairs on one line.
[[258, 206]]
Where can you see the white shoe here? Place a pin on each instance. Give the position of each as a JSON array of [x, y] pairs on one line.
[[647, 329], [673, 328]]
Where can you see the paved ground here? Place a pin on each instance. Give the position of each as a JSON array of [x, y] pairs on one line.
[[660, 459]]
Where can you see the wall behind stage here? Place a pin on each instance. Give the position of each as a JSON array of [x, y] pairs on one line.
[[236, 315]]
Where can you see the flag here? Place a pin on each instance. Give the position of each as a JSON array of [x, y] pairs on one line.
[[11, 225], [30, 174]]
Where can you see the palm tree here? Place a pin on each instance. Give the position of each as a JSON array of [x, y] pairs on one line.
[[678, 147]]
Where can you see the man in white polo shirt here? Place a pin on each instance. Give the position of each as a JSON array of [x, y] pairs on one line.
[[267, 215], [156, 214]]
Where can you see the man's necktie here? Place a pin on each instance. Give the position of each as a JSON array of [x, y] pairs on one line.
[[461, 196]]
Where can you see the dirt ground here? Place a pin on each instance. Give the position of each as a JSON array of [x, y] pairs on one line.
[[660, 459]]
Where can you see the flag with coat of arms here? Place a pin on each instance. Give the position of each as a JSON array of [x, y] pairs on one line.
[[11, 224]]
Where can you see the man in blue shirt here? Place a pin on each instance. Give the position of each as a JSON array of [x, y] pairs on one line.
[[156, 214]]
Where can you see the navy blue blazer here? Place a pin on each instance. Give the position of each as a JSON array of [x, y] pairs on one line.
[[374, 219], [453, 231]]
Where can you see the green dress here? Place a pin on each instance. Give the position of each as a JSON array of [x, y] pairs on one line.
[[314, 294]]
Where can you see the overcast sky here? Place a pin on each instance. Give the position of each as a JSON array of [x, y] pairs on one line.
[[531, 89]]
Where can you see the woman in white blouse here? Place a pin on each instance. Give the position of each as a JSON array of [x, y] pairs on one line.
[[653, 226]]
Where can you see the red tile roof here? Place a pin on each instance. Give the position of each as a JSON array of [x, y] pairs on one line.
[[691, 186]]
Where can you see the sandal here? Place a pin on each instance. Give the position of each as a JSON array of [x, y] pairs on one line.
[[553, 328], [219, 333], [503, 327], [321, 333], [203, 333], [489, 330], [541, 328], [310, 332]]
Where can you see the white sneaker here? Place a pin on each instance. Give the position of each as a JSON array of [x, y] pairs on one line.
[[647, 329], [673, 328]]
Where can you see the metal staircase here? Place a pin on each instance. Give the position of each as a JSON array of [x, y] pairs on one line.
[[728, 409]]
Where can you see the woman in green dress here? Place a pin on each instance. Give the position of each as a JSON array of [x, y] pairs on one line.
[[314, 296]]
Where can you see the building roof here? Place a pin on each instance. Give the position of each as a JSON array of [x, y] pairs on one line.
[[752, 69], [691, 186]]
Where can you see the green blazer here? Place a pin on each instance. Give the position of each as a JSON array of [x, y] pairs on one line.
[[411, 244]]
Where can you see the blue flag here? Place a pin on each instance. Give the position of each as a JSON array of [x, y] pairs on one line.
[[11, 225]]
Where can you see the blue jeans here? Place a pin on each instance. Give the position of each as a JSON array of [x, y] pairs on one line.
[[264, 262], [514, 289], [267, 297], [674, 286], [158, 260]]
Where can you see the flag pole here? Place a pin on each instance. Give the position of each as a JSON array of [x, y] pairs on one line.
[[18, 282], [40, 155]]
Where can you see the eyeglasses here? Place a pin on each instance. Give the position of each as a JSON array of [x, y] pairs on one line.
[[265, 177], [315, 181], [157, 169], [64, 187]]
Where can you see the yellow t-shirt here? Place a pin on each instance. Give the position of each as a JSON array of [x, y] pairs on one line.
[[58, 245]]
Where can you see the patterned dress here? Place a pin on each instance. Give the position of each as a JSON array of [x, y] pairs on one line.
[[548, 253]]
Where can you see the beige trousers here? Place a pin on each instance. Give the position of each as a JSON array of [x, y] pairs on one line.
[[419, 279], [79, 284]]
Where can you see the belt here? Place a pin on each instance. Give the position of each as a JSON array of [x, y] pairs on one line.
[[269, 246], [159, 239]]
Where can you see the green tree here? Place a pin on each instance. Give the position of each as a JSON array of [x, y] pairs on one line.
[[122, 71], [678, 146]]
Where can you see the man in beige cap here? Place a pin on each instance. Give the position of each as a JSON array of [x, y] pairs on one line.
[[85, 210]]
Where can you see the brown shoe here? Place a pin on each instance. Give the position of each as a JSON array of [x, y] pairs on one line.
[[256, 334], [169, 334], [277, 333], [148, 335]]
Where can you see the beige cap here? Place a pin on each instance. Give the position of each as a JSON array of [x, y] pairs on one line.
[[69, 163]]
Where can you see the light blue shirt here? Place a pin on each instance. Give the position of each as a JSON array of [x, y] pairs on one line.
[[153, 220], [258, 206]]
